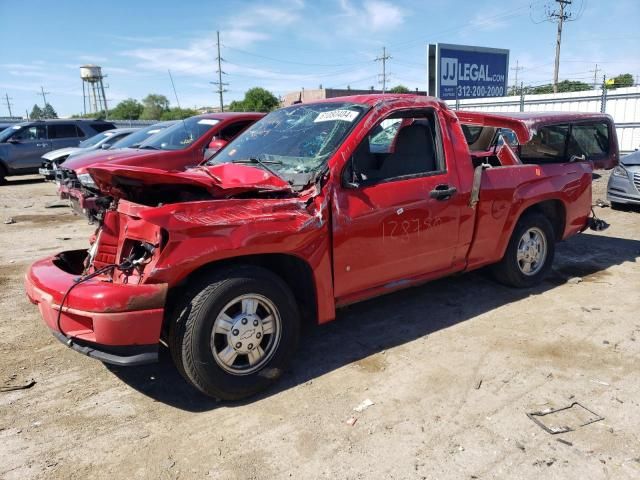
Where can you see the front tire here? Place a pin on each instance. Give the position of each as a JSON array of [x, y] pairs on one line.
[[236, 332], [529, 254]]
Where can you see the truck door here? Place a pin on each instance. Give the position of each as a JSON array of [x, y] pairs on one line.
[[395, 215]]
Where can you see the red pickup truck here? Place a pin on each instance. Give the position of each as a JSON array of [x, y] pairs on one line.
[[314, 207]]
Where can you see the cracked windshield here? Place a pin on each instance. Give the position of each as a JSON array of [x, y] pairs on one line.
[[295, 140]]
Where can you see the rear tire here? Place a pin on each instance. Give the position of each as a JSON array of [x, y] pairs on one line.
[[235, 333], [618, 206], [529, 254], [3, 175]]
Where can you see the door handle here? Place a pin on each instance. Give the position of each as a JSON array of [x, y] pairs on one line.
[[42, 144], [443, 192]]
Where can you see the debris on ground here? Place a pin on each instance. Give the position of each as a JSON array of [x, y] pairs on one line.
[[574, 280], [599, 382], [63, 238], [602, 204], [565, 419], [363, 406], [566, 442], [56, 204], [9, 221], [479, 384], [11, 388], [351, 421]]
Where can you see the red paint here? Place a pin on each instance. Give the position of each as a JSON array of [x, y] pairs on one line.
[[176, 160], [358, 242]]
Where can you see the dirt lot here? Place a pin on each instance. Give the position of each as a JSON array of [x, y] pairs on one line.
[[452, 368]]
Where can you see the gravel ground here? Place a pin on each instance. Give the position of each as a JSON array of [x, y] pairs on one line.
[[452, 368]]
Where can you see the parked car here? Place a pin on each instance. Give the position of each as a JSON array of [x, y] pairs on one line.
[[22, 145], [624, 182], [299, 216], [185, 143], [104, 141]]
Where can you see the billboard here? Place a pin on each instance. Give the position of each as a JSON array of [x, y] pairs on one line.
[[462, 71]]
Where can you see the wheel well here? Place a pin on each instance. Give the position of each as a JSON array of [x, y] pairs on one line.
[[555, 211], [294, 271]]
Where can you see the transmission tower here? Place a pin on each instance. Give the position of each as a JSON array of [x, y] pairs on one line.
[[559, 11], [220, 84], [44, 95], [383, 75], [516, 69]]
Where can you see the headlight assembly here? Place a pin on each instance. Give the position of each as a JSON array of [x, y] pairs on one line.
[[620, 171], [86, 180]]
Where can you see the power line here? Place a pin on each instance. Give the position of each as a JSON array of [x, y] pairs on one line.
[[292, 62], [220, 84], [8, 103], [383, 59]]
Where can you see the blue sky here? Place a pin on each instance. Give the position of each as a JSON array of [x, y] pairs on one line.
[[286, 45]]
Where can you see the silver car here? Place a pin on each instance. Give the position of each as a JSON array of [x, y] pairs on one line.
[[102, 141], [624, 181]]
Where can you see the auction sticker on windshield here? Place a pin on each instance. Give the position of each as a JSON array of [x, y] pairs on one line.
[[345, 115]]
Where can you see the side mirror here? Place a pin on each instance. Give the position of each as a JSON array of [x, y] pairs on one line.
[[13, 140], [106, 146], [216, 144]]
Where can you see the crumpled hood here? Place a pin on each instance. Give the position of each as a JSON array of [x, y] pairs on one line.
[[221, 180], [61, 152], [121, 156]]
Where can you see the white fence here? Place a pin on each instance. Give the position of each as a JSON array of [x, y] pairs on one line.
[[623, 104]]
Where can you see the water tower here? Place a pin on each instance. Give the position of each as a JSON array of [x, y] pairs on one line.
[[93, 89]]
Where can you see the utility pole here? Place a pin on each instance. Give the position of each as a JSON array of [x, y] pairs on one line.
[[44, 96], [8, 103], [383, 59], [595, 76], [559, 16], [219, 83], [517, 68]]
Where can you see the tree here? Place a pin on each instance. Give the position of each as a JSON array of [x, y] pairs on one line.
[[622, 80], [178, 113], [36, 113], [154, 106], [129, 109], [399, 89], [255, 100], [49, 112], [236, 106], [563, 86]]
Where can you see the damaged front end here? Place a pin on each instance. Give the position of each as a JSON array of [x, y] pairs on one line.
[[109, 301]]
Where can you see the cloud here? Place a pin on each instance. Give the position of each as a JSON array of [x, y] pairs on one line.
[[373, 15], [383, 15]]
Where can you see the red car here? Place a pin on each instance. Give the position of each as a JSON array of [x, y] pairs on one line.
[[314, 207], [186, 143]]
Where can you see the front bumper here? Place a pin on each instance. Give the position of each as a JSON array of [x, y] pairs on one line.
[[624, 190], [115, 323]]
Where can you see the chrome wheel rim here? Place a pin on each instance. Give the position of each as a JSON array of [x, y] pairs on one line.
[[532, 251], [245, 334]]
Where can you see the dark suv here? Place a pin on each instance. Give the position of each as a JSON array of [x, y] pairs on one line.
[[23, 144]]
